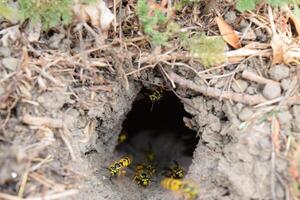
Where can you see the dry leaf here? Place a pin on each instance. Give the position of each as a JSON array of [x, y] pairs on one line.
[[10, 35], [296, 23], [295, 20], [280, 45], [228, 33], [97, 14], [292, 56]]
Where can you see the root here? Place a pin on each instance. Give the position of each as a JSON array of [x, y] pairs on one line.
[[216, 93]]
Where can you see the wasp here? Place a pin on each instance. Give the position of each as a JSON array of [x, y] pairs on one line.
[[175, 172], [155, 96], [150, 156], [188, 189], [117, 168], [143, 175], [122, 137]]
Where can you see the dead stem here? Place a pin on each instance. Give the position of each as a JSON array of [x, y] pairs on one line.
[[256, 78], [42, 121], [216, 93]]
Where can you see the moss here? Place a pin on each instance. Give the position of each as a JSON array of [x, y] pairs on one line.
[[151, 21], [209, 49]]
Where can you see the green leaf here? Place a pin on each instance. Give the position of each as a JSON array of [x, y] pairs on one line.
[[151, 23], [243, 5], [209, 49]]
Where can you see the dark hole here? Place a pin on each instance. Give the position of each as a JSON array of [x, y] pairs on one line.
[[158, 127]]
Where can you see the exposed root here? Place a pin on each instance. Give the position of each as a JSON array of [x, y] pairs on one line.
[[256, 78], [216, 93]]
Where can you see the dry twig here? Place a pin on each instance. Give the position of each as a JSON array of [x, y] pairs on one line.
[[256, 78], [216, 93], [42, 121]]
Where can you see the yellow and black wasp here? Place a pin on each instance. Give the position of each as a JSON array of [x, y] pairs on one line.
[[122, 137], [155, 96], [117, 168], [188, 189], [175, 171], [150, 156], [143, 175]]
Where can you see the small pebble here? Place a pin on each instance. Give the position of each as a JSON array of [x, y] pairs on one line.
[[243, 23], [296, 118], [239, 86], [10, 63], [245, 114], [279, 72], [230, 17], [271, 90], [56, 40], [5, 52], [251, 90], [284, 118], [248, 34], [285, 84], [239, 106]]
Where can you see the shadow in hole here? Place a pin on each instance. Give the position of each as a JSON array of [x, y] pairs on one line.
[[160, 129]]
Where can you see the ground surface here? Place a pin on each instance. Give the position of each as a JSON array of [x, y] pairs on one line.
[[64, 97]]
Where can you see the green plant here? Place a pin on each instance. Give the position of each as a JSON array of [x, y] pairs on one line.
[[8, 12], [181, 3], [151, 21], [49, 13], [243, 5], [209, 49]]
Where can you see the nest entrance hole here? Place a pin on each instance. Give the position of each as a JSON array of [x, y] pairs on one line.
[[158, 127]]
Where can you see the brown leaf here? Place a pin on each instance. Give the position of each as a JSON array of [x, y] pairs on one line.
[[295, 20], [228, 33], [280, 45], [276, 45], [97, 14]]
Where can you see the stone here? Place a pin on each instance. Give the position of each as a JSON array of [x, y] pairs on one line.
[[285, 84], [251, 90], [230, 17], [239, 86], [284, 118], [279, 72], [245, 114], [248, 34], [10, 63], [271, 90], [296, 121], [5, 52]]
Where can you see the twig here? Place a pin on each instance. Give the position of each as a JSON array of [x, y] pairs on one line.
[[42, 162], [216, 93], [24, 181], [42, 121], [270, 102], [256, 78], [65, 137], [9, 197], [47, 182], [60, 195]]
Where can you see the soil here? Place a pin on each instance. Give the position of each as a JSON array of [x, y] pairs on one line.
[[61, 118]]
